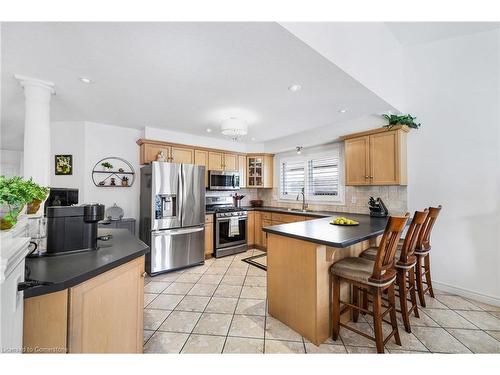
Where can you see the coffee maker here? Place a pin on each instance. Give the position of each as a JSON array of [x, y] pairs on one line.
[[73, 228]]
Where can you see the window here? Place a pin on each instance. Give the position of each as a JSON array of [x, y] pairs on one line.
[[318, 174]]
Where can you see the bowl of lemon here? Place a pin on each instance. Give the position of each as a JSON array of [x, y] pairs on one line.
[[343, 221]]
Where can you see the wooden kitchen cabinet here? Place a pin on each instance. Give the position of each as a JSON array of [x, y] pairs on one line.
[[260, 171], [265, 223], [201, 158], [250, 228], [181, 155], [376, 157], [215, 161], [230, 162], [242, 169], [209, 236], [172, 154], [258, 229]]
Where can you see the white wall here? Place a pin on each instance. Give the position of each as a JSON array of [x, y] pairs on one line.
[[11, 163], [452, 85]]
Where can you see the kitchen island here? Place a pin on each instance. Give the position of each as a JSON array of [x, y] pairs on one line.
[[299, 256]]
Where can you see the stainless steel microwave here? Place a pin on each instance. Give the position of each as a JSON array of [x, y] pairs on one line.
[[223, 180]]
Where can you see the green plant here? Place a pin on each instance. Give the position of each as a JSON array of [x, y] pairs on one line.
[[107, 165], [395, 120], [37, 192]]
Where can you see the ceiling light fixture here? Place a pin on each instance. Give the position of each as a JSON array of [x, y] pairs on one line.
[[85, 80], [343, 110], [253, 138], [294, 88], [209, 130], [234, 128], [299, 149]]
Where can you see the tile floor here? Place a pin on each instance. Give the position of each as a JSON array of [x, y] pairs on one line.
[[220, 307]]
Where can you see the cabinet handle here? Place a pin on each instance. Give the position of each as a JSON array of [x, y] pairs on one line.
[[367, 176], [371, 176], [144, 274]]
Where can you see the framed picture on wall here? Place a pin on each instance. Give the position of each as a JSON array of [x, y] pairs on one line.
[[63, 164]]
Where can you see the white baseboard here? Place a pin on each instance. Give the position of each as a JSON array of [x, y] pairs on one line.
[[480, 297]]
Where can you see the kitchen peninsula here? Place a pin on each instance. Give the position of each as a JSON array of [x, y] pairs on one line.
[[299, 256]]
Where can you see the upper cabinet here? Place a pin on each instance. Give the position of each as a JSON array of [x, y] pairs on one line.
[[260, 171], [172, 153], [376, 157], [242, 168]]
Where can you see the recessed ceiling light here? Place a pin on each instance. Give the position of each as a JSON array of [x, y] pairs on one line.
[[209, 130], [294, 88], [85, 80], [253, 138], [299, 149], [343, 110]]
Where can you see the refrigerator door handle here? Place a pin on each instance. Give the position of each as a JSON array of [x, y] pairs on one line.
[[180, 195], [176, 232]]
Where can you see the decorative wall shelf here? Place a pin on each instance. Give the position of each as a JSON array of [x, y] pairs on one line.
[[119, 172]]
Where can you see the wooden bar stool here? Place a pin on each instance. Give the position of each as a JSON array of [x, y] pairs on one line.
[[405, 268], [422, 250], [374, 277]]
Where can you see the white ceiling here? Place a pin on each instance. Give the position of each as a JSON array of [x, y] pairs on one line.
[[179, 76], [408, 33]]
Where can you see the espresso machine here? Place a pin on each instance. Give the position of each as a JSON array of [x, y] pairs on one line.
[[73, 228]]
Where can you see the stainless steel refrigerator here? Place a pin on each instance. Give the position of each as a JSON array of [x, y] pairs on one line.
[[172, 217]]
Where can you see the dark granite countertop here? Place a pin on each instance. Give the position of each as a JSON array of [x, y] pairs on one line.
[[282, 210], [65, 271], [320, 231]]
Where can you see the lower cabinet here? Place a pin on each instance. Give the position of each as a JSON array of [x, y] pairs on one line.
[[258, 229], [101, 315], [250, 228], [209, 236]]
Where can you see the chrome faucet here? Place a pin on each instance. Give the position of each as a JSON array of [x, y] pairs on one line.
[[304, 204]]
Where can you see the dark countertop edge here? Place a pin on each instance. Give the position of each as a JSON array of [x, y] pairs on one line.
[[347, 243], [318, 214], [46, 289]]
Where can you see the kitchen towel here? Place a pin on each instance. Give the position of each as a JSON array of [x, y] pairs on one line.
[[234, 226]]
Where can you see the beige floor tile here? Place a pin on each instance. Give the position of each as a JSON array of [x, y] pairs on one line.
[[165, 301], [238, 263], [213, 324], [256, 281], [147, 334], [401, 351], [256, 292], [232, 280], [408, 340], [495, 334], [188, 278], [361, 350], [482, 319], [154, 318], [350, 338], [198, 269], [204, 344], [247, 326], [325, 349], [210, 279], [477, 341], [216, 271], [495, 313], [275, 330], [165, 342], [178, 288], [244, 345], [423, 321], [449, 319], [237, 271], [193, 303], [438, 340], [148, 297], [456, 302], [203, 290], [156, 287], [485, 306], [167, 277], [223, 305], [283, 347], [180, 321], [251, 307], [432, 303], [254, 271], [224, 290]]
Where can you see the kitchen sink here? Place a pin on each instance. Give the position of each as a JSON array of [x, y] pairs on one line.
[[298, 210]]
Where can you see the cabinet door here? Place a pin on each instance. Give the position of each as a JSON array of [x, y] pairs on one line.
[[209, 239], [255, 171], [258, 229], [201, 158], [357, 161], [106, 312], [251, 228], [265, 223], [230, 162], [242, 168], [182, 155], [215, 161], [268, 171], [384, 158], [149, 152]]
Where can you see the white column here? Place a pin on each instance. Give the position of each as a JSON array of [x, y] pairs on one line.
[[37, 152]]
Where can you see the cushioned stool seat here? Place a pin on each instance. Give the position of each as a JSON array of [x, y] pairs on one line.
[[356, 269], [371, 253]]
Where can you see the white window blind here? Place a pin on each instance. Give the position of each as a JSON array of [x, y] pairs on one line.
[[323, 176], [292, 176]]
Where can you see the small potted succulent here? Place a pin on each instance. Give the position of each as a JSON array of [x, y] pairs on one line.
[[397, 120], [107, 166], [125, 181]]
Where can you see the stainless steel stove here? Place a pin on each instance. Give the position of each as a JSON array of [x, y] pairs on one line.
[[230, 226]]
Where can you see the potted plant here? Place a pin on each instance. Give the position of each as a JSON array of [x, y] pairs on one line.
[[125, 181], [107, 166], [13, 197], [39, 194], [396, 120]]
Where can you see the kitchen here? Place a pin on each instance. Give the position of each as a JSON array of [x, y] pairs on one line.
[[227, 220]]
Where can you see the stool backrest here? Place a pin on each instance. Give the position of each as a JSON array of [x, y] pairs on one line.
[[412, 235], [424, 239], [387, 248]]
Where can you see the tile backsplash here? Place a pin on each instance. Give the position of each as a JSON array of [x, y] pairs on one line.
[[248, 193], [356, 199]]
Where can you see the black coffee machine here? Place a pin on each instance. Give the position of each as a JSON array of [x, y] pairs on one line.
[[73, 228]]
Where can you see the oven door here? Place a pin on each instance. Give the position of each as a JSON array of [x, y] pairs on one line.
[[222, 238], [220, 180]]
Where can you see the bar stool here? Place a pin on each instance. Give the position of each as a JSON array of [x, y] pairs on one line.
[[422, 251], [405, 268], [374, 277]]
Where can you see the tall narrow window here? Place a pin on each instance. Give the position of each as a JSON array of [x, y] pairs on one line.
[[292, 176], [323, 176]]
